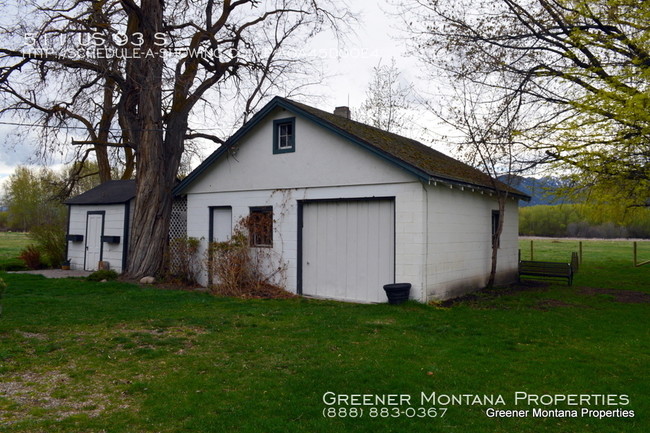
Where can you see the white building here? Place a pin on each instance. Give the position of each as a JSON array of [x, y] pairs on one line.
[[98, 226], [353, 207]]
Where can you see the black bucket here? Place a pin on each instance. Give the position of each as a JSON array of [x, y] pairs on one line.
[[397, 293]]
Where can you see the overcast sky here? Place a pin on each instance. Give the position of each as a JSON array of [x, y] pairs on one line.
[[349, 69]]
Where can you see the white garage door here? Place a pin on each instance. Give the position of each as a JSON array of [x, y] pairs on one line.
[[348, 249]]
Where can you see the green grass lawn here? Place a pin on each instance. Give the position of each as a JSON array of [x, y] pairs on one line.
[[11, 244], [91, 357]]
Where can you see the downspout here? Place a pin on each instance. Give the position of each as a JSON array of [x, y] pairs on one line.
[[425, 255]]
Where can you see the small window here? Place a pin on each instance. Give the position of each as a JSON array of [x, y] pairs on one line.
[[284, 135], [496, 216], [260, 226]]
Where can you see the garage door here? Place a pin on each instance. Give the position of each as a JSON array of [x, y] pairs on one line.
[[348, 249]]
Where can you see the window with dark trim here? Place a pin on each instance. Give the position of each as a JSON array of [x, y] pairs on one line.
[[284, 135], [260, 226], [496, 216]]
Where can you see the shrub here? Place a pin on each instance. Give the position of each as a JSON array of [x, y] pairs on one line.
[[229, 264], [236, 269], [104, 274], [50, 239], [184, 261], [31, 256]]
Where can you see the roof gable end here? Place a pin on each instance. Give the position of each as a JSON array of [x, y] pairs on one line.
[[416, 158]]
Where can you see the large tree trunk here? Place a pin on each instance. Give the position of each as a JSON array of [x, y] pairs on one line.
[[154, 178]]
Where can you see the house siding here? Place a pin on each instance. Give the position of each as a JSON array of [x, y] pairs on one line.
[[113, 226]]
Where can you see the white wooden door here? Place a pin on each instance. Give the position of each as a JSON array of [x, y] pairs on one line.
[[348, 249], [221, 224], [94, 225]]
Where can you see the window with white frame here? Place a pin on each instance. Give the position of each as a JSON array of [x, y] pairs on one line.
[[284, 135]]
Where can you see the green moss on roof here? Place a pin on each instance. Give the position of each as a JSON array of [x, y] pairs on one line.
[[435, 164]]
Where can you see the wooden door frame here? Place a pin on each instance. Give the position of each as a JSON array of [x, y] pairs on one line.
[[101, 244]]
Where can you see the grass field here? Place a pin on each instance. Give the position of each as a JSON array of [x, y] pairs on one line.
[[592, 250], [113, 357], [11, 243]]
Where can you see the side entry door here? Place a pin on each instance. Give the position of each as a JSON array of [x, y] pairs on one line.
[[94, 229]]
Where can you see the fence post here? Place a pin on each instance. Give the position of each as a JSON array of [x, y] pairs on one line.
[[580, 249]]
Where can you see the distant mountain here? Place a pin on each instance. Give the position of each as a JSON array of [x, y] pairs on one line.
[[541, 190]]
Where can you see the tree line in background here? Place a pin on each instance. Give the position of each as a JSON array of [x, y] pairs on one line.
[[34, 203], [582, 221]]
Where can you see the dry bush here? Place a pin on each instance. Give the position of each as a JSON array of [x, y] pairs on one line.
[[237, 269]]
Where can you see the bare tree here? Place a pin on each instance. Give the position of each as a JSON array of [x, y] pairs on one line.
[[388, 100], [487, 123], [171, 56]]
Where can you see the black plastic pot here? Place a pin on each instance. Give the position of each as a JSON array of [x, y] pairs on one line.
[[397, 293]]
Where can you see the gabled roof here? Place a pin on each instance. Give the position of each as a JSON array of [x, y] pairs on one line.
[[420, 160], [111, 192]]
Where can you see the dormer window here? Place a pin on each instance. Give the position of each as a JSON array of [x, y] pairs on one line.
[[284, 135]]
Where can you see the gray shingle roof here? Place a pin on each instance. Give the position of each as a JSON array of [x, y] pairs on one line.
[[111, 192]]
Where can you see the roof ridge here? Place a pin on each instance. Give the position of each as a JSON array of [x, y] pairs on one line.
[[424, 158]]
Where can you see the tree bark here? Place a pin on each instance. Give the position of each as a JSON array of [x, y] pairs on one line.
[[155, 174]]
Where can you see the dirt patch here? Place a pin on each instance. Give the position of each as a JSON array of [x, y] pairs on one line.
[[259, 291], [32, 335], [170, 285], [56, 273], [623, 296], [34, 396], [549, 304], [491, 294]]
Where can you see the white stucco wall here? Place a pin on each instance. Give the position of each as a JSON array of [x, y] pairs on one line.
[[460, 241], [113, 226]]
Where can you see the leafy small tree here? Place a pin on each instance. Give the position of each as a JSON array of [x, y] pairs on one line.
[[32, 199], [582, 65]]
